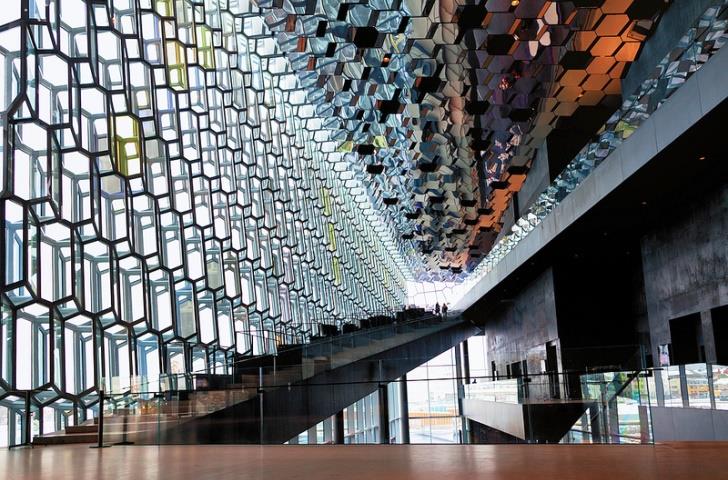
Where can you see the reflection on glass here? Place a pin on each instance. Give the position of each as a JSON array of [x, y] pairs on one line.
[[720, 386]]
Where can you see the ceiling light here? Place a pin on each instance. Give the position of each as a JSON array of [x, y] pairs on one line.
[[504, 83]]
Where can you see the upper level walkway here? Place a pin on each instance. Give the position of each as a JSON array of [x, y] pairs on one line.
[[680, 130]]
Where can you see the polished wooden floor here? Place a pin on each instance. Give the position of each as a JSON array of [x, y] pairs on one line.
[[696, 461]]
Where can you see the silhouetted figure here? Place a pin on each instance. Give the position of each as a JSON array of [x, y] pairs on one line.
[[444, 311], [437, 309]]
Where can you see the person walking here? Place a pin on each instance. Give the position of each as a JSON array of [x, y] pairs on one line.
[[444, 311], [437, 309]]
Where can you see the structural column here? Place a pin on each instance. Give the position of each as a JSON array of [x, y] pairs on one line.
[[459, 368], [706, 325], [339, 428], [466, 362], [404, 409], [383, 414]]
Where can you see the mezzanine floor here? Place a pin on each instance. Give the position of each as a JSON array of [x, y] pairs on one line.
[[694, 461]]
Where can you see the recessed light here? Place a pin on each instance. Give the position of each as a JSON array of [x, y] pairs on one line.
[[702, 157]]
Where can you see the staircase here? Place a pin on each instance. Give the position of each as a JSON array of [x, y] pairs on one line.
[[87, 432], [316, 381]]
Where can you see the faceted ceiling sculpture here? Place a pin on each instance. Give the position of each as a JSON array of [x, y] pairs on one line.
[[438, 106]]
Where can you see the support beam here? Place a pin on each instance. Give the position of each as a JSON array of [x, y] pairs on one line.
[[339, 428], [383, 414], [404, 409]]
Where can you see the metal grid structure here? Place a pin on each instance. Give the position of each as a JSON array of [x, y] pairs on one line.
[[164, 205]]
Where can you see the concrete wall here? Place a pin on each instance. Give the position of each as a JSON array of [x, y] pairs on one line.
[[503, 417], [685, 265], [536, 181], [523, 325], [689, 424], [508, 220], [673, 24]]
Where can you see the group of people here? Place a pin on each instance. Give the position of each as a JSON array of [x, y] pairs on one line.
[[444, 310]]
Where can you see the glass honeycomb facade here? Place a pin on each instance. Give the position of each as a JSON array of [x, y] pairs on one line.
[[166, 203]]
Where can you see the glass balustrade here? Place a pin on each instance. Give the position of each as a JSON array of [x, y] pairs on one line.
[[280, 403], [293, 397]]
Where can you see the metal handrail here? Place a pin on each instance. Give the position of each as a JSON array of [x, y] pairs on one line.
[[323, 341]]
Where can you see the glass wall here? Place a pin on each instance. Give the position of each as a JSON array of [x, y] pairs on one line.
[[361, 422], [432, 392], [168, 201], [432, 405]]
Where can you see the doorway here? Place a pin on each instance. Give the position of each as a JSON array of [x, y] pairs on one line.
[[720, 334], [687, 341], [552, 370]]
